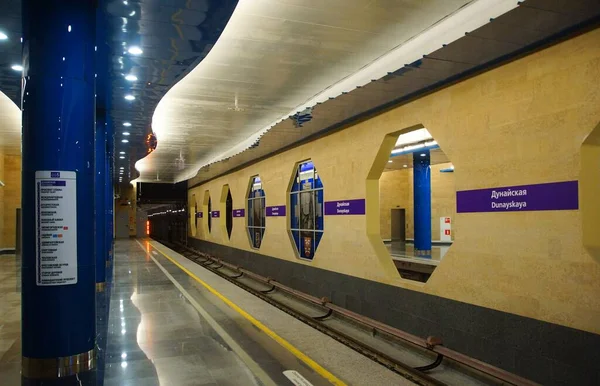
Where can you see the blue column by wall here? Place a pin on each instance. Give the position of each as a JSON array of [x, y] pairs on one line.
[[422, 198], [109, 196], [58, 321], [100, 200]]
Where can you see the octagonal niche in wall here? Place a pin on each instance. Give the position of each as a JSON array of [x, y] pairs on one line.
[[306, 221], [256, 212], [411, 201]]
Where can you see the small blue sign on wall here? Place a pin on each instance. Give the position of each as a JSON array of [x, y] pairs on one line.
[[215, 214]]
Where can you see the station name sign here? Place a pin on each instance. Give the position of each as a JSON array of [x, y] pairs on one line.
[[276, 211], [345, 207], [550, 196]]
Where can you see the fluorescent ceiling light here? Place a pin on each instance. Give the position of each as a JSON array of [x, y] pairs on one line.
[[121, 157], [390, 161], [135, 50], [126, 124], [129, 97], [131, 77], [125, 133], [121, 152], [124, 141], [17, 67], [413, 136], [132, 13], [3, 36]]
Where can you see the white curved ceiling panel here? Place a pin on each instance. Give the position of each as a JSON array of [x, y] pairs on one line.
[[10, 126], [273, 58]]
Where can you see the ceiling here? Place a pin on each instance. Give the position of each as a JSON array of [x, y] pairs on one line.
[[402, 161], [220, 91], [272, 58], [173, 36], [421, 66]]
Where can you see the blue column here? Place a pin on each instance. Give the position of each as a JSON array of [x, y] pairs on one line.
[[58, 306], [109, 196], [422, 200], [100, 201]]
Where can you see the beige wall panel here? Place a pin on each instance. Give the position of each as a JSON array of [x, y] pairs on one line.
[[523, 123], [11, 199], [2, 209]]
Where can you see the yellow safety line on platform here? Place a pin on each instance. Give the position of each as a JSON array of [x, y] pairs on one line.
[[288, 346]]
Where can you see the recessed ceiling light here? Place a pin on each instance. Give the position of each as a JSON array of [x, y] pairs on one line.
[[132, 13], [131, 77], [423, 154], [122, 157], [17, 67], [69, 28], [125, 133], [126, 124], [3, 36], [129, 97], [124, 141], [390, 161], [405, 166], [121, 152], [135, 50]]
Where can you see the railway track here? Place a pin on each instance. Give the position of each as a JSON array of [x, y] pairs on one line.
[[422, 361]]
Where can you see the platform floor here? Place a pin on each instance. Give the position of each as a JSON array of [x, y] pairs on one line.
[[172, 322], [406, 252]]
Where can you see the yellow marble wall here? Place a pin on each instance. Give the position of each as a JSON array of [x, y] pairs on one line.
[[11, 199], [128, 194], [2, 210], [522, 123]]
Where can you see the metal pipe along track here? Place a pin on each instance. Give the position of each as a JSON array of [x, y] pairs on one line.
[[342, 324]]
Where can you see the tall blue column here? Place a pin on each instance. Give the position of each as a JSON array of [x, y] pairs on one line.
[[58, 265], [422, 199], [100, 200], [109, 196]]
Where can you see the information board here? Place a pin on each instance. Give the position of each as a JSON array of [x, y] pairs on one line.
[[56, 227]]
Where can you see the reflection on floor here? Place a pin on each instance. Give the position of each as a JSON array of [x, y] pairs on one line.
[[406, 251], [10, 320], [155, 336], [412, 266], [165, 328]]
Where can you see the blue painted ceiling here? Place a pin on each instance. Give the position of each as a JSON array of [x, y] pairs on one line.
[[173, 35]]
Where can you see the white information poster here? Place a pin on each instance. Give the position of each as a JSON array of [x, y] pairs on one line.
[[56, 227], [445, 229]]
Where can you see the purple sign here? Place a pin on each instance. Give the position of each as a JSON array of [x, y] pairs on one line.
[[345, 207], [215, 213], [550, 196], [239, 212], [199, 214], [276, 211]]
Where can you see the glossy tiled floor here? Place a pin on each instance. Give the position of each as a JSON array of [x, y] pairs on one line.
[[165, 327], [406, 251], [10, 320]]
